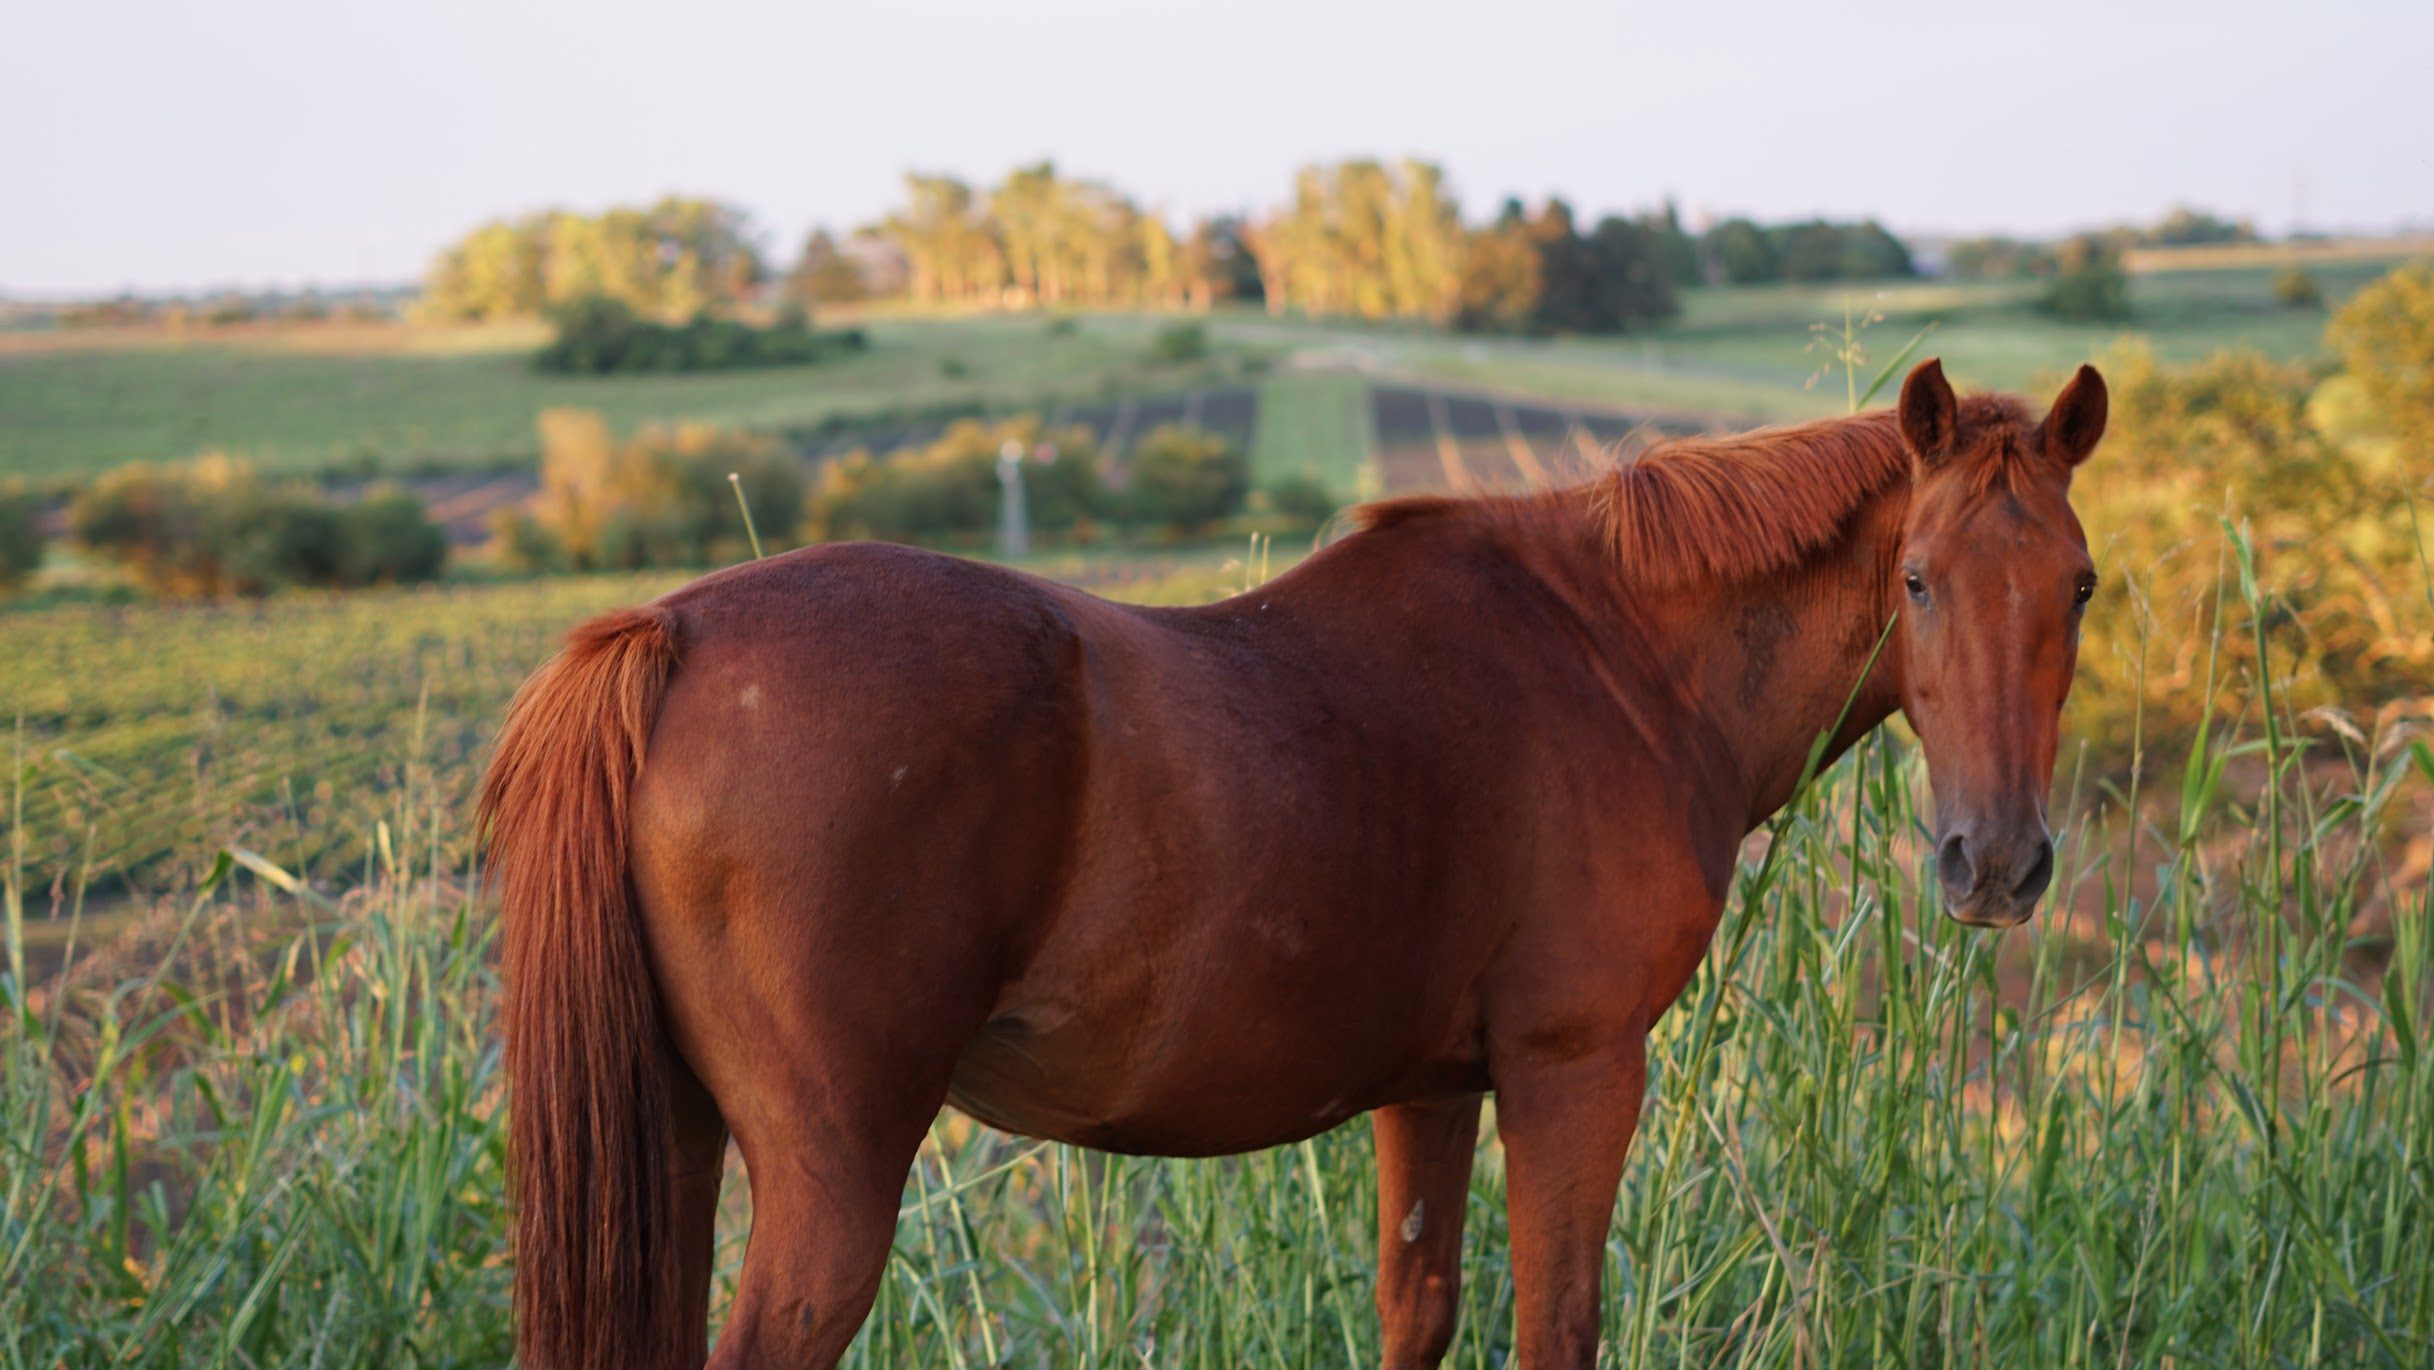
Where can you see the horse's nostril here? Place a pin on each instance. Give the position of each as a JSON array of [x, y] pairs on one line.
[[2040, 874], [1952, 865]]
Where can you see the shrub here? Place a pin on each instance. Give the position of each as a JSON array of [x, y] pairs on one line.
[[2385, 338], [1186, 478], [2294, 287], [1302, 500], [522, 544], [2091, 287], [1183, 342], [949, 487], [266, 536], [660, 498], [599, 336], [214, 527], [386, 538], [2237, 433]]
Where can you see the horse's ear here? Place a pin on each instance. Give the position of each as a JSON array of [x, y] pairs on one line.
[[1930, 416], [2077, 418]]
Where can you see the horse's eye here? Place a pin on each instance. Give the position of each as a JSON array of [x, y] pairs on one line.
[[2085, 592], [1916, 586]]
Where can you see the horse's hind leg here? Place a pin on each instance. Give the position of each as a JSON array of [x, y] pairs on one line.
[[1424, 1176], [832, 1132], [698, 1167]]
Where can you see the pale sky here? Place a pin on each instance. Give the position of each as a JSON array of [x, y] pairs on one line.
[[171, 144]]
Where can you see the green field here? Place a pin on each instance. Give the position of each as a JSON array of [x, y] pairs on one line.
[[1313, 423], [316, 399], [299, 400], [1746, 352]]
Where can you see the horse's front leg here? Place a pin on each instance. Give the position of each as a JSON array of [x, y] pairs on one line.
[[1567, 1127], [1424, 1181]]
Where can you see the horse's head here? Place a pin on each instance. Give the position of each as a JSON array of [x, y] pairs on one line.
[[1992, 576]]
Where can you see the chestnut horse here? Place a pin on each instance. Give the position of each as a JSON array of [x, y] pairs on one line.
[[815, 845]]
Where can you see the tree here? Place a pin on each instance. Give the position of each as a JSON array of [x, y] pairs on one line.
[[1675, 251], [1425, 245], [825, 275], [2186, 226], [1363, 239], [1217, 263], [946, 240], [1567, 287], [494, 273], [1501, 278], [1870, 252], [1632, 282], [670, 260], [1742, 253], [1538, 274]]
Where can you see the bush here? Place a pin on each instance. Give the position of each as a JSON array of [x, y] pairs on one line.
[[600, 336], [1186, 478], [1302, 501], [2385, 337], [2091, 287], [388, 538], [660, 498], [2332, 536], [1183, 342], [213, 527], [20, 537], [2294, 287], [949, 488], [522, 544]]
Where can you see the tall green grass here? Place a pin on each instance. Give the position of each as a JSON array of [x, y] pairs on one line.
[[2181, 1119]]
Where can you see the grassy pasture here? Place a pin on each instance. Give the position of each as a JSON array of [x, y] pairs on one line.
[[307, 398], [295, 399], [1312, 424], [1746, 353], [256, 1120]]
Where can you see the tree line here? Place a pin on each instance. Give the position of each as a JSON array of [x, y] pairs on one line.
[[1360, 238], [674, 260], [1356, 239]]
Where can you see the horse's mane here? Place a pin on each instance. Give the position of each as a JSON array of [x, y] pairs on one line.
[[1737, 507]]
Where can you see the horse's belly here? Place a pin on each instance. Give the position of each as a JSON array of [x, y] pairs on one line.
[[1084, 1087]]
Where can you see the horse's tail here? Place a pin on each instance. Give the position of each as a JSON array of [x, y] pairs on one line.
[[598, 1275]]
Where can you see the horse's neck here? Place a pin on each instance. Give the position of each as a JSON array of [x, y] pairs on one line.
[[1769, 665], [1787, 656]]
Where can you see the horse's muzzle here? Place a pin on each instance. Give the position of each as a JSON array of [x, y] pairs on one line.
[[1992, 878]]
